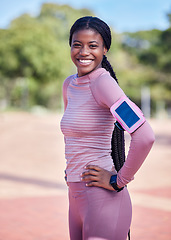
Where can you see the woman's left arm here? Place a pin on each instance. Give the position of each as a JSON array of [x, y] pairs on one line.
[[141, 142]]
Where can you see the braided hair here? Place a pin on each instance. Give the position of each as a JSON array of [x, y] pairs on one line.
[[96, 24]]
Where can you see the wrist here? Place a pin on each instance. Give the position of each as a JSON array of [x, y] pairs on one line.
[[113, 183]]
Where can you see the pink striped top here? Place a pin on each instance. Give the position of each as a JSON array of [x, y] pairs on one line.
[[87, 125]]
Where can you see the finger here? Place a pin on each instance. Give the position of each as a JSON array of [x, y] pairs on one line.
[[93, 167], [89, 178], [93, 184], [90, 172]]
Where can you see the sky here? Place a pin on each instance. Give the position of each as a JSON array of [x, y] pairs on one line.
[[121, 15]]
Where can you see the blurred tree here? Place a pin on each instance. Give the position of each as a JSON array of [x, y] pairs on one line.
[[152, 50], [35, 59], [35, 56]]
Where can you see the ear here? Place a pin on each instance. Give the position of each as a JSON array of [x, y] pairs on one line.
[[105, 51]]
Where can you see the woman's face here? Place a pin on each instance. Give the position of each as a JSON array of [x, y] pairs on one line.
[[87, 50]]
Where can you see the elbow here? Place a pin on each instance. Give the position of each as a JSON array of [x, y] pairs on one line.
[[151, 136], [151, 139], [145, 135]]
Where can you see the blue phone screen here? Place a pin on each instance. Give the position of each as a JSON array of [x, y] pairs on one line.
[[127, 114]]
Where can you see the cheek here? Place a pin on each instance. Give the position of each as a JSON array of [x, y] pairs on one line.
[[72, 54], [99, 53], [100, 56]]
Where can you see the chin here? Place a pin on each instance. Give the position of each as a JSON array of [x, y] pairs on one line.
[[86, 71]]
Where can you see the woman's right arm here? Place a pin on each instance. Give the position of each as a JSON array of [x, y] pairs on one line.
[[65, 99], [64, 91]]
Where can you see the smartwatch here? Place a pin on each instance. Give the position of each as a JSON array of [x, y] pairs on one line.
[[113, 183]]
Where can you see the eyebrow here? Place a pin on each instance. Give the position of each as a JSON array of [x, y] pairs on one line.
[[93, 41], [89, 42], [76, 41]]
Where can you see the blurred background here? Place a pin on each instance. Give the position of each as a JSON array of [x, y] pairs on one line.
[[34, 61], [35, 55]]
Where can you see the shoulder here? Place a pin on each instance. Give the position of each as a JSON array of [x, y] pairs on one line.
[[67, 82], [65, 87], [105, 89], [104, 83]]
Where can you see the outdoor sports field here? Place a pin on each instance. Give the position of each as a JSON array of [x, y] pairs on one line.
[[33, 194]]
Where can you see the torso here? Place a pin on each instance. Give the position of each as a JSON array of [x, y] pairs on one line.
[[87, 128]]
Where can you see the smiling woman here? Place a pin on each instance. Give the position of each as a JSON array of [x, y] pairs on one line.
[[87, 50], [99, 202]]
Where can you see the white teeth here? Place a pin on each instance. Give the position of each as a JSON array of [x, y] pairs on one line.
[[85, 61]]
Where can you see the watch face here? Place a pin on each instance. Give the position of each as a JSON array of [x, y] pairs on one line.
[[113, 179]]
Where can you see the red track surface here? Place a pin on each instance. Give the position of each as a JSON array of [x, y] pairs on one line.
[[33, 195]]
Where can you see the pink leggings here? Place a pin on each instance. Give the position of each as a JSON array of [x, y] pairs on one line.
[[98, 214]]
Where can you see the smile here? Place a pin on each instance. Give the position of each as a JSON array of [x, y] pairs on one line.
[[85, 62]]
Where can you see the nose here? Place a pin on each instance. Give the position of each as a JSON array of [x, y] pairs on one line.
[[84, 51]]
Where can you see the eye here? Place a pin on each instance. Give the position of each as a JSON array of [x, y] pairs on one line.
[[76, 45], [93, 46]]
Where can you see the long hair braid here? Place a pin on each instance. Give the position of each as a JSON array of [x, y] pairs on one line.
[[118, 140], [106, 64], [96, 24]]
